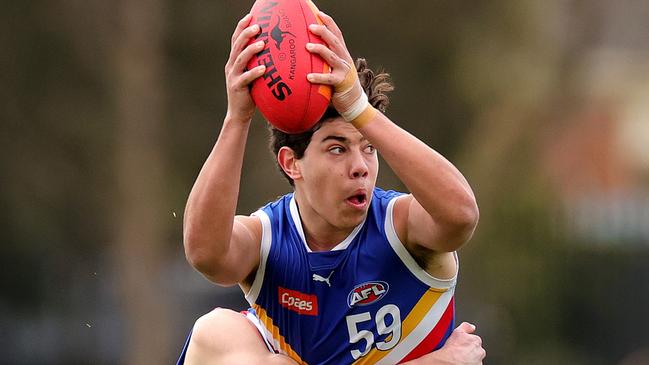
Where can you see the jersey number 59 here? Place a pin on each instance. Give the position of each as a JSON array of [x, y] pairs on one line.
[[393, 330]]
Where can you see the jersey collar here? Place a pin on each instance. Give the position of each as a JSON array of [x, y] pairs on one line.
[[297, 221]]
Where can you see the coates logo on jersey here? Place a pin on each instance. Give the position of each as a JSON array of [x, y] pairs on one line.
[[367, 293], [298, 302]]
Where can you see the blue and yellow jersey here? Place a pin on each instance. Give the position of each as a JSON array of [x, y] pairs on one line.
[[364, 302]]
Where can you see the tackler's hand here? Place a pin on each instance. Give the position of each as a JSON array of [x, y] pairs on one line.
[[237, 78], [349, 99], [464, 346]]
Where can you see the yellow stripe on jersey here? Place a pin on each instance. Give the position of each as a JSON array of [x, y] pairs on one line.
[[412, 320], [274, 330]]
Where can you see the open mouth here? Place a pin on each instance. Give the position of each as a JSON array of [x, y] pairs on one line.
[[357, 200]]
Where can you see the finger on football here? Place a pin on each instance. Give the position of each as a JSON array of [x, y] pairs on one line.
[[331, 24], [326, 79], [244, 57], [334, 43], [328, 55], [243, 39], [251, 75], [241, 25]]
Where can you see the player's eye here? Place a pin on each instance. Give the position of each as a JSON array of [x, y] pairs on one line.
[[370, 149], [337, 150]]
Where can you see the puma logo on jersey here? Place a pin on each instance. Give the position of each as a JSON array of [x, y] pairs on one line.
[[317, 277], [367, 293]]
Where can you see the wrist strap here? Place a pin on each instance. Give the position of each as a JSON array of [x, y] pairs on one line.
[[361, 112], [365, 117], [356, 108]]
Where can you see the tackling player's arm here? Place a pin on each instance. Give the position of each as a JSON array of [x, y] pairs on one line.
[[441, 214], [221, 246], [462, 347]]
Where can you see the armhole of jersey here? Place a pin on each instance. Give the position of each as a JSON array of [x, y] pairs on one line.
[[264, 250], [407, 259]]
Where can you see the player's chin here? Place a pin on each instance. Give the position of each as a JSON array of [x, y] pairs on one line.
[[351, 217]]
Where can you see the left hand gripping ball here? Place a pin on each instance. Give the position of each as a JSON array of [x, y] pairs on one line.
[[284, 96]]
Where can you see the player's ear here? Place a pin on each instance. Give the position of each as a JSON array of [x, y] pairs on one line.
[[288, 162]]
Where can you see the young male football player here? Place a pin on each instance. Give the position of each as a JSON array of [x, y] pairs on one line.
[[338, 271]]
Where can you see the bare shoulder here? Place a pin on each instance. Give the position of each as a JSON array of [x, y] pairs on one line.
[[439, 264], [247, 234], [251, 224]]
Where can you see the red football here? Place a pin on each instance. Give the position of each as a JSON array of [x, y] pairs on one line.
[[283, 94]]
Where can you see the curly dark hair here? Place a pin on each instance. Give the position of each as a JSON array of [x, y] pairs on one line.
[[376, 87]]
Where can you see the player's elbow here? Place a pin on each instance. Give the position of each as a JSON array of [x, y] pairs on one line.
[[208, 265], [462, 224], [200, 253], [197, 255], [469, 216], [203, 257]]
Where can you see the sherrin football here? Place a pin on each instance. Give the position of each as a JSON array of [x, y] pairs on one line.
[[284, 96]]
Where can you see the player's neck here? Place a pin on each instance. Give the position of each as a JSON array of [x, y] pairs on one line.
[[323, 242], [320, 235]]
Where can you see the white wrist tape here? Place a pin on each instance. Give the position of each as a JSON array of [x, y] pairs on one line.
[[356, 109]]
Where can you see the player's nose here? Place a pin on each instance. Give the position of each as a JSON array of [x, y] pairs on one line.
[[358, 166]]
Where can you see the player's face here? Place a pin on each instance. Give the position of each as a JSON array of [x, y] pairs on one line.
[[339, 170]]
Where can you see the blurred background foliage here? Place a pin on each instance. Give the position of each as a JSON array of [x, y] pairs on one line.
[[108, 110]]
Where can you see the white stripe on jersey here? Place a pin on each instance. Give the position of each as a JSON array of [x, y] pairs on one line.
[[407, 258], [425, 326], [264, 250]]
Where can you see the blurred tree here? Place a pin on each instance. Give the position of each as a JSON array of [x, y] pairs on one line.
[[507, 63], [139, 250]]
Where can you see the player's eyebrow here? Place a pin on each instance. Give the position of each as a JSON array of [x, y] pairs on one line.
[[335, 138], [340, 139]]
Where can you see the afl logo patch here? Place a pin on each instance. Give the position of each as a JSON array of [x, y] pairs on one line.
[[367, 293]]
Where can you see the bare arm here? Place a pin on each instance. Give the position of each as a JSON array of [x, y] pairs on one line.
[[443, 213], [223, 248], [462, 348]]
